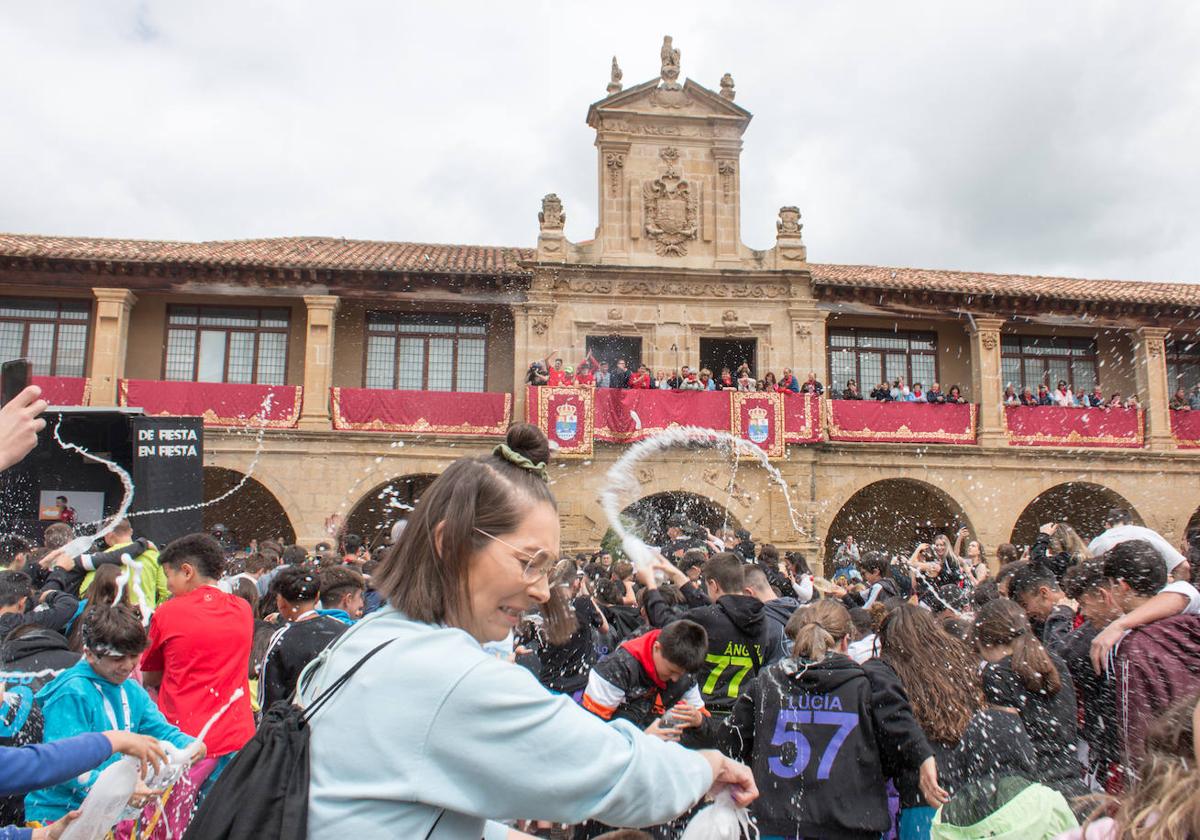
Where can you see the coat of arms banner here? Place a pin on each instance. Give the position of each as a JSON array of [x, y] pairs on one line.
[[567, 416], [758, 418]]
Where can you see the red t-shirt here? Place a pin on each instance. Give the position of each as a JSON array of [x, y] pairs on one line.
[[201, 642], [555, 377], [585, 379]]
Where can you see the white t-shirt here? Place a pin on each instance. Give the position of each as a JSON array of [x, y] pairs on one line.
[[1182, 587], [1124, 533]]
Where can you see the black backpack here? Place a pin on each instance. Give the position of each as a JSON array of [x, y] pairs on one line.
[[263, 793]]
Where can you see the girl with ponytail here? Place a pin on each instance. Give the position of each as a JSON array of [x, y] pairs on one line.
[[431, 737], [1020, 674], [821, 736]]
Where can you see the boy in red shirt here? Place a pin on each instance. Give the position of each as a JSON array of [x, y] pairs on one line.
[[200, 648]]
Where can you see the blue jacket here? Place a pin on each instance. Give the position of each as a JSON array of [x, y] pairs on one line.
[[28, 768], [461, 739], [340, 615], [77, 701]]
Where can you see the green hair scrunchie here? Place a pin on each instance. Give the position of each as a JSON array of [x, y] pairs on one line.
[[516, 458]]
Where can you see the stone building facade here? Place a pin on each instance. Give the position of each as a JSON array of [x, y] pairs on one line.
[[666, 280]]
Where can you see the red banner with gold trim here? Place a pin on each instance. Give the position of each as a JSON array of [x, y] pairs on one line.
[[442, 413], [627, 416], [1185, 428], [866, 421], [567, 417], [64, 390], [219, 403], [802, 418], [1051, 425], [759, 418]]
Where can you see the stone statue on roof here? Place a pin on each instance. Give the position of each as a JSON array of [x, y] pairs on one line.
[[670, 65], [614, 84], [727, 87]]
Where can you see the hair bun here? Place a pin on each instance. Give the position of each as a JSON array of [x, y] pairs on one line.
[[527, 439]]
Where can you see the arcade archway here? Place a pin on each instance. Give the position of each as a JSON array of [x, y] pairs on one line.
[[895, 515], [648, 515], [377, 511], [1080, 504], [250, 513]]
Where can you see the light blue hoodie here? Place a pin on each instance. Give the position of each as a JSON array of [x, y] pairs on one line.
[[432, 730], [74, 703]]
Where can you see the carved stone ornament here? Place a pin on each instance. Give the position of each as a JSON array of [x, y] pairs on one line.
[[614, 82], [671, 213], [614, 314], [727, 87], [729, 316], [789, 222], [1155, 346], [989, 340], [669, 93], [670, 156], [552, 216], [615, 161], [672, 288], [541, 324], [803, 331], [726, 169]]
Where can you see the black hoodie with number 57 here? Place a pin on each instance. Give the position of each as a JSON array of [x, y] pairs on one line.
[[817, 736]]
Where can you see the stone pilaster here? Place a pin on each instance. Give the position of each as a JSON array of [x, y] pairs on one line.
[[110, 341], [987, 389], [808, 343], [318, 361], [520, 361], [1150, 374]]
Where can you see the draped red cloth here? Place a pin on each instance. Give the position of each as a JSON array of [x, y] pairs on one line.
[[219, 403], [624, 416], [1051, 425], [421, 412], [566, 415], [1185, 428], [802, 418], [867, 421], [64, 390]]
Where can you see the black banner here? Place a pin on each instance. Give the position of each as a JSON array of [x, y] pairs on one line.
[[168, 472]]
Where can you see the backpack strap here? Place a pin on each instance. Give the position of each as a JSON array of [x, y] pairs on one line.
[[340, 681]]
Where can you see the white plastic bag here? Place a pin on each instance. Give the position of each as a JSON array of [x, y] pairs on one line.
[[105, 801], [721, 820]]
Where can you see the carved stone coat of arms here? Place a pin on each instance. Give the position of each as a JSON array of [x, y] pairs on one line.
[[671, 213]]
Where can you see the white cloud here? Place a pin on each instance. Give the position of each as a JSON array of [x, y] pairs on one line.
[[1022, 136]]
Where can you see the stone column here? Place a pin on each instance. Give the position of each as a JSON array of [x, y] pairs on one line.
[[986, 380], [1150, 373], [520, 361], [318, 362], [110, 342]]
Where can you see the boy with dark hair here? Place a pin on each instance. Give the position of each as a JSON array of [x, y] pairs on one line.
[[877, 574], [650, 674], [1155, 664], [301, 638], [96, 695], [623, 620], [199, 648], [1036, 589], [342, 591], [741, 641], [352, 549], [54, 611]]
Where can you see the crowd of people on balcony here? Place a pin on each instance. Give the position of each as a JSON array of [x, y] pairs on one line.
[[1064, 396], [599, 374]]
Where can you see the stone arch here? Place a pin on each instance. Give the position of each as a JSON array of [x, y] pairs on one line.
[[373, 516], [252, 512], [894, 515], [649, 514], [1081, 504]]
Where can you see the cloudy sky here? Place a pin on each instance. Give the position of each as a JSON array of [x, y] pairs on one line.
[[1018, 136]]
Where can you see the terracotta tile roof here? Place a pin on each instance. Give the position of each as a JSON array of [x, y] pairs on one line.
[[299, 252], [1006, 285]]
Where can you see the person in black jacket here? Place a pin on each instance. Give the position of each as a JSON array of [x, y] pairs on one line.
[[32, 656], [1036, 589], [567, 648], [741, 642], [301, 638], [53, 610], [818, 733], [1021, 674]]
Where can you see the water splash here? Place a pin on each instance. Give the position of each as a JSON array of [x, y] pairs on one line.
[[622, 482], [81, 543], [233, 698]]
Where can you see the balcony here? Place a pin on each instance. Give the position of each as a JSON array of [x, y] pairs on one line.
[[64, 390], [221, 404], [866, 421], [442, 413], [1048, 425]]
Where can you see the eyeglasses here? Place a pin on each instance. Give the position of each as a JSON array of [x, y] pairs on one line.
[[533, 566]]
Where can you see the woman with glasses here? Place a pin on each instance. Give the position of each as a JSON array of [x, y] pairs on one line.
[[432, 738]]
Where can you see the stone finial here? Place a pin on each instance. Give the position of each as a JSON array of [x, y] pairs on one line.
[[614, 82], [727, 87], [789, 225], [552, 216], [670, 65]]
